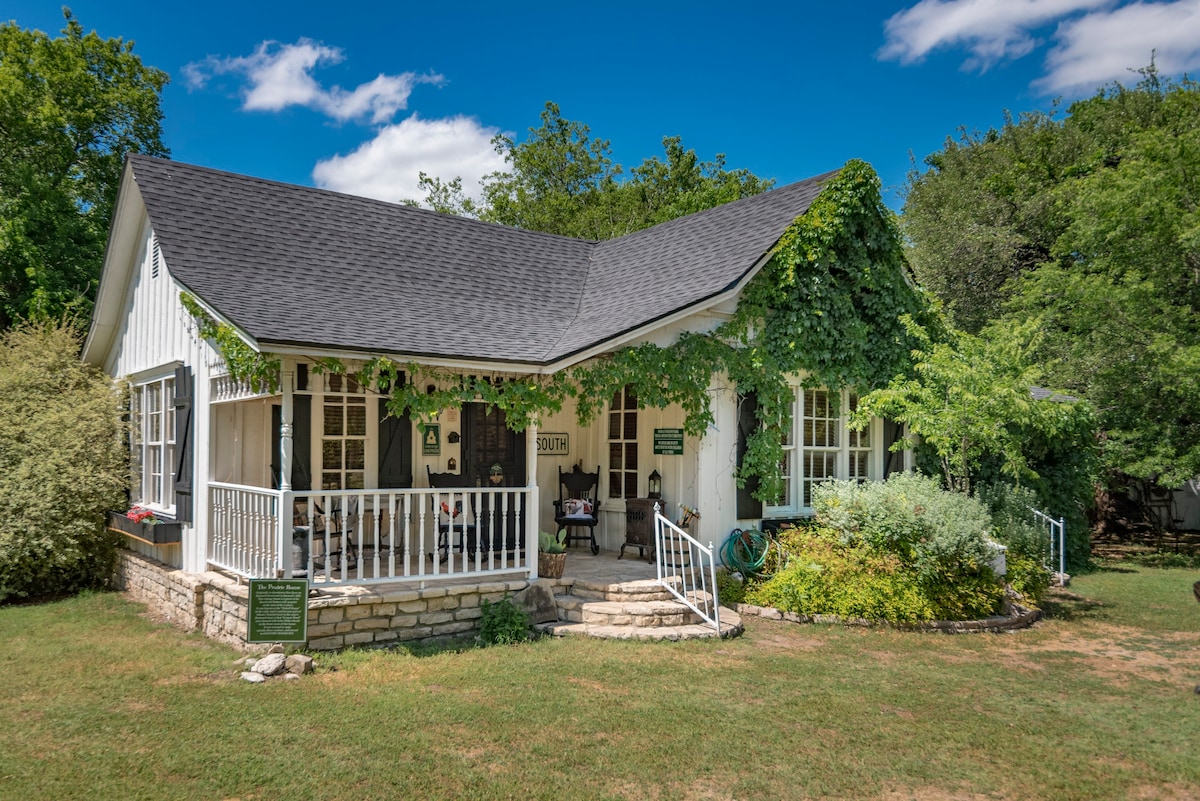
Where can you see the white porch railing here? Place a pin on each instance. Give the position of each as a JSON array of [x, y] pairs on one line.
[[244, 530], [363, 536], [1055, 527], [687, 569]]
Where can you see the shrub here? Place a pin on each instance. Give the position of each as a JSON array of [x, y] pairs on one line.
[[941, 534], [1028, 543], [502, 622], [62, 465], [730, 590]]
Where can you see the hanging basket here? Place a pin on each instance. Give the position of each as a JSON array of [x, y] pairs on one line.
[[550, 565]]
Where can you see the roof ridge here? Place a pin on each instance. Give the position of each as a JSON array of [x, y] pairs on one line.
[[388, 204]]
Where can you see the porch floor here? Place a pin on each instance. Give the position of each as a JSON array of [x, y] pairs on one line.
[[604, 568]]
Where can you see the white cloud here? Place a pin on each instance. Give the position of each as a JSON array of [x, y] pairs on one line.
[[388, 166], [1103, 47], [991, 30], [280, 75]]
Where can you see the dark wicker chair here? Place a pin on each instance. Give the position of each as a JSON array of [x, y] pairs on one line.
[[577, 491], [452, 521]]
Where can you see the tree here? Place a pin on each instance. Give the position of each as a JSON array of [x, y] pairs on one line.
[[969, 398], [562, 180], [70, 109], [1090, 225]]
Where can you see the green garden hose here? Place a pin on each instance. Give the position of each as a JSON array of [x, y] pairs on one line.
[[745, 551]]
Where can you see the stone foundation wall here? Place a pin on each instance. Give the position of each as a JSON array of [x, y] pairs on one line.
[[216, 605]]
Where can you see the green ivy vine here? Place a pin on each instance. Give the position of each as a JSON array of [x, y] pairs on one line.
[[827, 305], [261, 370]]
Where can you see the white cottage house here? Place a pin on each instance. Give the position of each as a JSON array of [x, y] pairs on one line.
[[317, 480]]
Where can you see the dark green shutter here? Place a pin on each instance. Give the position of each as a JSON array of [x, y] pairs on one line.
[[395, 449], [185, 391], [748, 507]]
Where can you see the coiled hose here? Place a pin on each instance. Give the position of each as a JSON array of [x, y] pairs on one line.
[[746, 551]]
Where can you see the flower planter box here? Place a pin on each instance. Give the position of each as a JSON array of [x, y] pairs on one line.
[[160, 533]]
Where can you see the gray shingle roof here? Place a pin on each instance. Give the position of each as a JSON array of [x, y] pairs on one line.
[[298, 266]]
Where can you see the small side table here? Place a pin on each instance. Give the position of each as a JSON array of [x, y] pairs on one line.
[[639, 525]]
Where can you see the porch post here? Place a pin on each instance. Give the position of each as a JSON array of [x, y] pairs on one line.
[[287, 375], [533, 510]]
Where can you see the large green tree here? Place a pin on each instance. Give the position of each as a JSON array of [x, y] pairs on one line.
[[562, 180], [1089, 225], [70, 109]]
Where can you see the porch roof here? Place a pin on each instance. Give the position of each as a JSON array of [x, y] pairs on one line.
[[302, 267]]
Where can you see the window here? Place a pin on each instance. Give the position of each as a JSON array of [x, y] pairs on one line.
[[819, 447], [343, 434], [152, 443], [622, 445]]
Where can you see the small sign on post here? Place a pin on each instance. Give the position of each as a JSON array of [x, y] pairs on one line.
[[278, 610], [668, 441]]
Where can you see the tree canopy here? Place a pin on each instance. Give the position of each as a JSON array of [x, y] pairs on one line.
[[1090, 226], [562, 180], [70, 109]]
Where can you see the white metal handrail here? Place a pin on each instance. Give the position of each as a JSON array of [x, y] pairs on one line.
[[1053, 526], [691, 573]]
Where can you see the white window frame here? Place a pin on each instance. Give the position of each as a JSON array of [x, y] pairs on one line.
[[152, 443], [336, 390], [621, 410], [846, 448]]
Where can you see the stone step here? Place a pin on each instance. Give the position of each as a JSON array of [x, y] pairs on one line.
[[731, 626], [644, 614], [632, 591]]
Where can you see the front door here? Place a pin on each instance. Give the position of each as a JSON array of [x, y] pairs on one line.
[[488, 442]]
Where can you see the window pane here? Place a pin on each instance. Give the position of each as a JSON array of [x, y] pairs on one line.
[[333, 420], [630, 397], [331, 454], [630, 425], [631, 485], [615, 403], [614, 484], [335, 382], [614, 425], [355, 454], [331, 481], [354, 481], [615, 450], [356, 421], [631, 456]]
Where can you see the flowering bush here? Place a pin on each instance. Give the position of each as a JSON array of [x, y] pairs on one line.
[[140, 514]]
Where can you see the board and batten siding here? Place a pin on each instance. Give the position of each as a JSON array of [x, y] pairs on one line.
[[152, 337]]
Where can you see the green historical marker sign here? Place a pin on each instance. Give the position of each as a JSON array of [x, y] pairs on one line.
[[668, 441], [278, 610]]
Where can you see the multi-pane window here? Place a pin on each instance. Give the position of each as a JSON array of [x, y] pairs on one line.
[[343, 434], [622, 445], [152, 443], [819, 447]]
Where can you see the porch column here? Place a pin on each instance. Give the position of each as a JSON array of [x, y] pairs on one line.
[[533, 512], [287, 377]]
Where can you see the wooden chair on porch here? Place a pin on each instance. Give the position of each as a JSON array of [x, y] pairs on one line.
[[578, 504], [452, 513]]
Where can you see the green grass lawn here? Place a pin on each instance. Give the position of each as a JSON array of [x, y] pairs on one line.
[[1097, 702]]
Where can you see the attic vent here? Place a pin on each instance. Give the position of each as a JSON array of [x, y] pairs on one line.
[[155, 258]]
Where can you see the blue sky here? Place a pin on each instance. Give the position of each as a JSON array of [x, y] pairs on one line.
[[360, 97]]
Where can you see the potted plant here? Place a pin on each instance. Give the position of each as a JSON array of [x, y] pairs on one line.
[[552, 554]]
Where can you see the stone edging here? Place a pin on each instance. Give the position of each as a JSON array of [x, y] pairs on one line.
[[1016, 617]]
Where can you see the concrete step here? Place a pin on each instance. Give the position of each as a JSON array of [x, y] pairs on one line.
[[644, 614], [629, 591]]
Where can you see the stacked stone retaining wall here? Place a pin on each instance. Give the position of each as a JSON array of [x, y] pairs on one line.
[[216, 605]]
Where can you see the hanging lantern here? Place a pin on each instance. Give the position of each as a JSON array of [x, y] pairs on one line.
[[654, 485]]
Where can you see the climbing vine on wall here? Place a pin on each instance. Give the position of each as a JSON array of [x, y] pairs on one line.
[[260, 370], [826, 305]]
